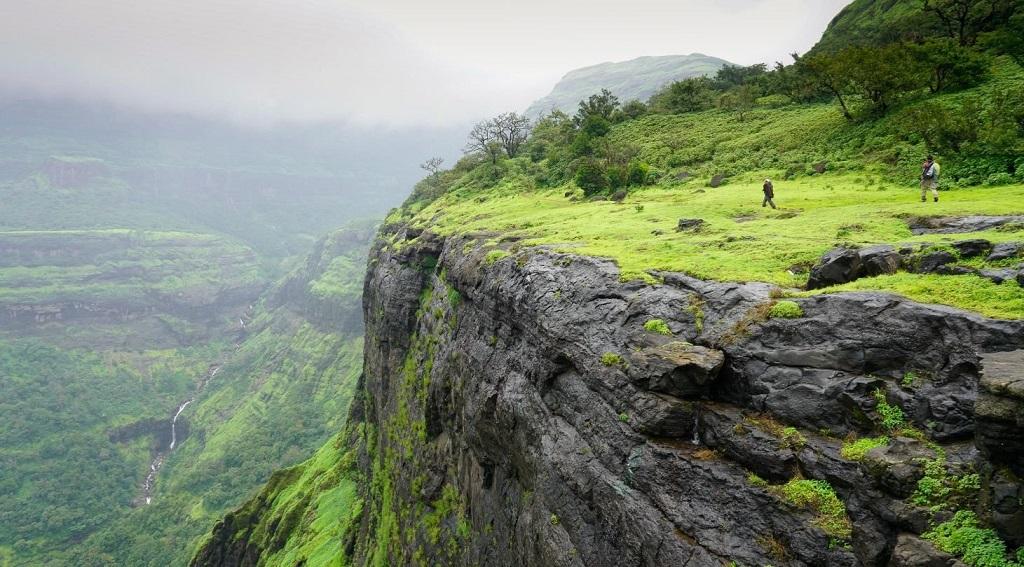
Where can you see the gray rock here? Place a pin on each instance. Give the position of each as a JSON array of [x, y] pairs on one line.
[[1005, 250], [677, 368], [998, 275], [689, 224], [912, 551], [951, 225], [837, 266], [717, 180], [932, 261], [661, 415], [878, 260], [898, 466], [973, 247], [999, 409]]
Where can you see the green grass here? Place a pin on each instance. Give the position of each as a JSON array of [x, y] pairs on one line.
[[786, 310], [612, 359], [891, 415], [856, 450], [658, 326], [741, 241], [819, 496], [963, 536]]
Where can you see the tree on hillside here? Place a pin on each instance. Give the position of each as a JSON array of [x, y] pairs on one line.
[[828, 71], [689, 95], [432, 165], [882, 74], [963, 20], [511, 131], [484, 139], [731, 76], [951, 65], [602, 104], [740, 100]]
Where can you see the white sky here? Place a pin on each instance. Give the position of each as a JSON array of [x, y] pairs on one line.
[[388, 62]]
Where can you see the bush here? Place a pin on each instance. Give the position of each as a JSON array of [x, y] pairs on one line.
[[856, 450], [821, 497], [786, 310], [964, 537], [892, 416], [638, 173], [612, 359], [590, 177], [1000, 179], [658, 326]]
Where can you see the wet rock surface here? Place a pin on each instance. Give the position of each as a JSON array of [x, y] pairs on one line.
[[952, 225], [572, 436]]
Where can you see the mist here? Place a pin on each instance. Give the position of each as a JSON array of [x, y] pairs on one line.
[[394, 64]]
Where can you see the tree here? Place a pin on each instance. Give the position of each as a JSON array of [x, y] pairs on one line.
[[483, 139], [590, 176], [951, 65], [602, 104], [828, 72], [882, 74], [511, 131], [689, 95], [432, 165], [963, 20], [740, 100], [730, 76], [631, 110]]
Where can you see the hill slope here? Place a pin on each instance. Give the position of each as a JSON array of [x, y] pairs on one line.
[[634, 79]]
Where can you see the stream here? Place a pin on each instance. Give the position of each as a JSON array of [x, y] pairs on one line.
[[158, 459]]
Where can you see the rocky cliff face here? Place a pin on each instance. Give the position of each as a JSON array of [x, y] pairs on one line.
[[522, 407]]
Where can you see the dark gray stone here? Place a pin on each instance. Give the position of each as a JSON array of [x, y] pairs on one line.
[[878, 260], [999, 409], [676, 368], [689, 224], [931, 262], [1005, 250], [912, 551], [973, 247], [717, 180], [951, 225], [998, 275], [898, 466], [837, 266]]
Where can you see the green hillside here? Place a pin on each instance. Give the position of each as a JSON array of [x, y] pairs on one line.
[[132, 328], [636, 79]]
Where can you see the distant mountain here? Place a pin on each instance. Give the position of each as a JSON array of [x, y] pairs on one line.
[[634, 79]]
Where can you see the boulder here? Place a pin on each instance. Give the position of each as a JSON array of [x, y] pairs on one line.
[[1020, 279], [999, 409], [717, 180], [973, 247], [912, 551], [677, 368], [837, 266], [820, 167], [1006, 495], [1005, 250], [998, 275], [689, 224], [878, 260], [898, 466], [661, 415], [929, 263]]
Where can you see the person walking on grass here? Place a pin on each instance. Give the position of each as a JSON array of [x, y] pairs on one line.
[[930, 179], [769, 194]]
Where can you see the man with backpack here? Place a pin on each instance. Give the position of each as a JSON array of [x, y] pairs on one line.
[[930, 179], [769, 193]]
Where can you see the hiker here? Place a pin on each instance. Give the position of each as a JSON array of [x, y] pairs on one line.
[[930, 179], [769, 193]]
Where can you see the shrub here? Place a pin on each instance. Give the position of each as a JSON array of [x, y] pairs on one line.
[[892, 416], [590, 177], [820, 497], [964, 537], [624, 417], [612, 359], [857, 449], [909, 379], [786, 310], [1000, 179], [658, 326]]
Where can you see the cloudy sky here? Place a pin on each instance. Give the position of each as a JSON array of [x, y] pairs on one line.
[[387, 62]]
